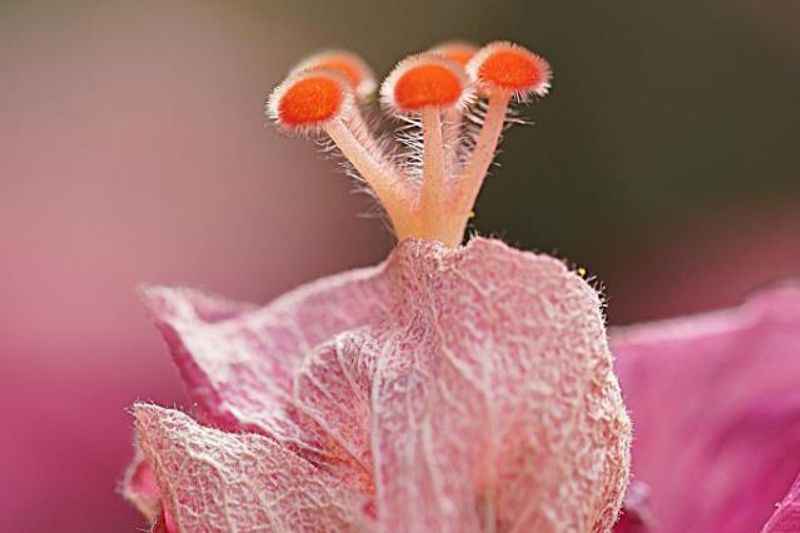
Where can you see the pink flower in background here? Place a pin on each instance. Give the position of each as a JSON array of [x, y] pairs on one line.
[[451, 388], [716, 410]]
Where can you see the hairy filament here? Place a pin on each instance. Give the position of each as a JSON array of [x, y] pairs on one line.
[[451, 133], [471, 179], [433, 163], [430, 193], [390, 187]]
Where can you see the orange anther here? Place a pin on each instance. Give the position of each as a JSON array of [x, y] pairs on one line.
[[425, 81], [458, 52], [511, 68], [427, 85], [348, 69], [349, 65], [309, 99]]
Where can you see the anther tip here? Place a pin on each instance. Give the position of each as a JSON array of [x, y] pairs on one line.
[[509, 67], [425, 80], [309, 99], [457, 51], [348, 64]]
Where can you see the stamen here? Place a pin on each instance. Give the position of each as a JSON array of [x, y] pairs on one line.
[[457, 51], [471, 179], [346, 63], [361, 79], [434, 89], [308, 100], [433, 164], [321, 99], [391, 188], [502, 71], [426, 85], [425, 80], [503, 66]]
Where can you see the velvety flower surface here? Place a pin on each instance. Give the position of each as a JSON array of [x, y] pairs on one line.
[[716, 409], [465, 390]]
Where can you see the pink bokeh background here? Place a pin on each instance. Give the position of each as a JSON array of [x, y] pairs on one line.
[[133, 150]]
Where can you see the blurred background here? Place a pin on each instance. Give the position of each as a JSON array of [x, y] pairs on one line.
[[133, 150]]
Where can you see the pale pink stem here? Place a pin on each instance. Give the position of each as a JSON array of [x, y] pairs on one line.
[[433, 165], [358, 125], [451, 133], [471, 179], [387, 183]]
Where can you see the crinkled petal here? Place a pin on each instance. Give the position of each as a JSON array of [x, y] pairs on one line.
[[716, 407], [212, 481], [475, 385], [140, 487], [332, 389], [635, 516], [494, 405], [164, 524], [240, 364]]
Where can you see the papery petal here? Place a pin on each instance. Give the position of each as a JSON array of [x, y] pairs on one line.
[[212, 481], [715, 404], [141, 488], [494, 405], [635, 516], [164, 524], [333, 389], [474, 384], [786, 518], [240, 364]]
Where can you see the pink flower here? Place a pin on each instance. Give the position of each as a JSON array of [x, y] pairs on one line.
[[451, 388], [716, 410], [441, 390]]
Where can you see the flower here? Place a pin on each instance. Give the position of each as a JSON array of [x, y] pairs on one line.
[[715, 404], [450, 388]]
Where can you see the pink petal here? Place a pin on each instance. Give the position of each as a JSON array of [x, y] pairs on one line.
[[164, 524], [240, 363], [140, 487], [716, 409], [214, 481], [635, 516], [494, 405], [332, 389], [786, 518], [467, 390]]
